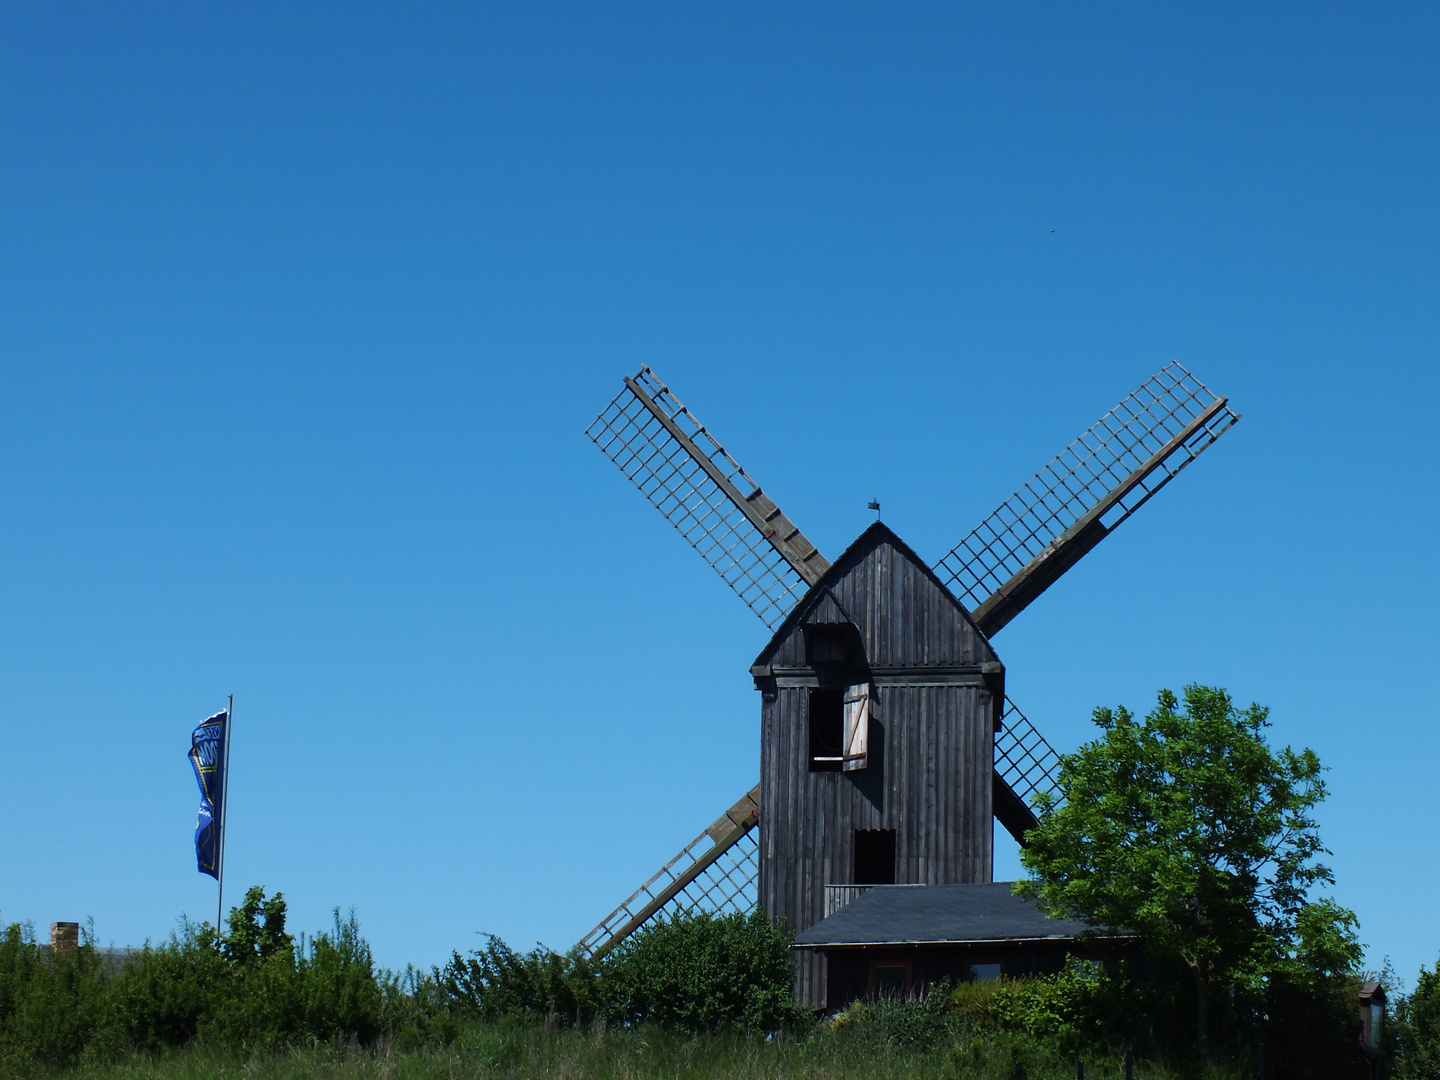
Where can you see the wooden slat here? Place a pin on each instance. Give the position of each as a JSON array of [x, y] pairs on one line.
[[761, 511]]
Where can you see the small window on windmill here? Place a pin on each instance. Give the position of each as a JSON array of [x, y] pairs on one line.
[[874, 857], [828, 644], [827, 729], [839, 708]]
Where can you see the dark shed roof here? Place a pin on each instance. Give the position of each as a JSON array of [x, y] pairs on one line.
[[937, 915]]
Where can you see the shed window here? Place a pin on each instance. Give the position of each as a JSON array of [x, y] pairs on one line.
[[984, 972], [827, 730], [874, 857]]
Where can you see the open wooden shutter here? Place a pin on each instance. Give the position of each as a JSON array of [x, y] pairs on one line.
[[857, 727]]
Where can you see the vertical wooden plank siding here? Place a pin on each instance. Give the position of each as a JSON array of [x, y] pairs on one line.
[[932, 744]]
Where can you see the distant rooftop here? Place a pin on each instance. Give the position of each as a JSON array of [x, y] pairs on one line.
[[113, 956], [937, 915]]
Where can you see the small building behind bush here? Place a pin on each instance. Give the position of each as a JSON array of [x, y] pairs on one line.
[[893, 940]]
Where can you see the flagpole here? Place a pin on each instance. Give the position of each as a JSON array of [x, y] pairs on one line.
[[224, 817]]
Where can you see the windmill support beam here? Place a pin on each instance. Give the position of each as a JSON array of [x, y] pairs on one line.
[[1075, 542], [1042, 572], [1010, 810], [758, 507]]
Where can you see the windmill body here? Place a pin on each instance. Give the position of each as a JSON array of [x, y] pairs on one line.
[[880, 700]]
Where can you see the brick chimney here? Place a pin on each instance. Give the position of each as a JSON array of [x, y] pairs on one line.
[[64, 938]]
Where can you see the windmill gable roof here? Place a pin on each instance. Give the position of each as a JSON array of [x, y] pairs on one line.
[[905, 615]]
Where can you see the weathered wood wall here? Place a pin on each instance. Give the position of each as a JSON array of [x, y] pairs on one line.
[[937, 683]]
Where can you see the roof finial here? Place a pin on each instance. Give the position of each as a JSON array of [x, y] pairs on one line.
[[874, 504]]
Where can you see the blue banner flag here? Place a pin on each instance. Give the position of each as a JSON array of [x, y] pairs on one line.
[[207, 756]]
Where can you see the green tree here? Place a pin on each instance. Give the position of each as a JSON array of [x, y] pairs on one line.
[[1187, 829], [1418, 1026], [257, 929]]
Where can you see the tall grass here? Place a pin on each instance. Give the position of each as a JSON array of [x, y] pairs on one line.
[[525, 1050]]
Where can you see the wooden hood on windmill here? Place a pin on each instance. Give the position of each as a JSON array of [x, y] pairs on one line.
[[888, 741]]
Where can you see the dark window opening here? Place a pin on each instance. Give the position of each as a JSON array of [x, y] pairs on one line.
[[874, 856], [828, 644], [827, 729]]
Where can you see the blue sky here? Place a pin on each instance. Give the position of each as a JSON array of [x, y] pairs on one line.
[[304, 311]]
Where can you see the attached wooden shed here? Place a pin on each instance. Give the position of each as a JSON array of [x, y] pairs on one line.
[[880, 700], [896, 940]]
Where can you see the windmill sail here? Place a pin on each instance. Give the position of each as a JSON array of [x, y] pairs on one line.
[[1025, 766], [679, 466], [1074, 502], [716, 872]]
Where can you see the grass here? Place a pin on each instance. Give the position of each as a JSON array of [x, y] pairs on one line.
[[515, 1051]]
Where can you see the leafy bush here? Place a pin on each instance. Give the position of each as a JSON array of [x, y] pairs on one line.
[[497, 981], [1074, 1008], [693, 972], [49, 1005], [165, 993], [248, 989], [256, 989], [699, 972], [901, 1025], [1416, 1029]]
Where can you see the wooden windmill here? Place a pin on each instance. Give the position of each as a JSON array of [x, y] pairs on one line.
[[885, 646]]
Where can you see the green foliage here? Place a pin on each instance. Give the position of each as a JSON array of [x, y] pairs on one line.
[[903, 1025], [1188, 829], [257, 930], [1077, 1010], [164, 993], [694, 972], [1084, 1011], [497, 981], [1417, 1029], [49, 1006], [254, 989], [701, 972], [698, 995], [515, 1048], [248, 989]]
